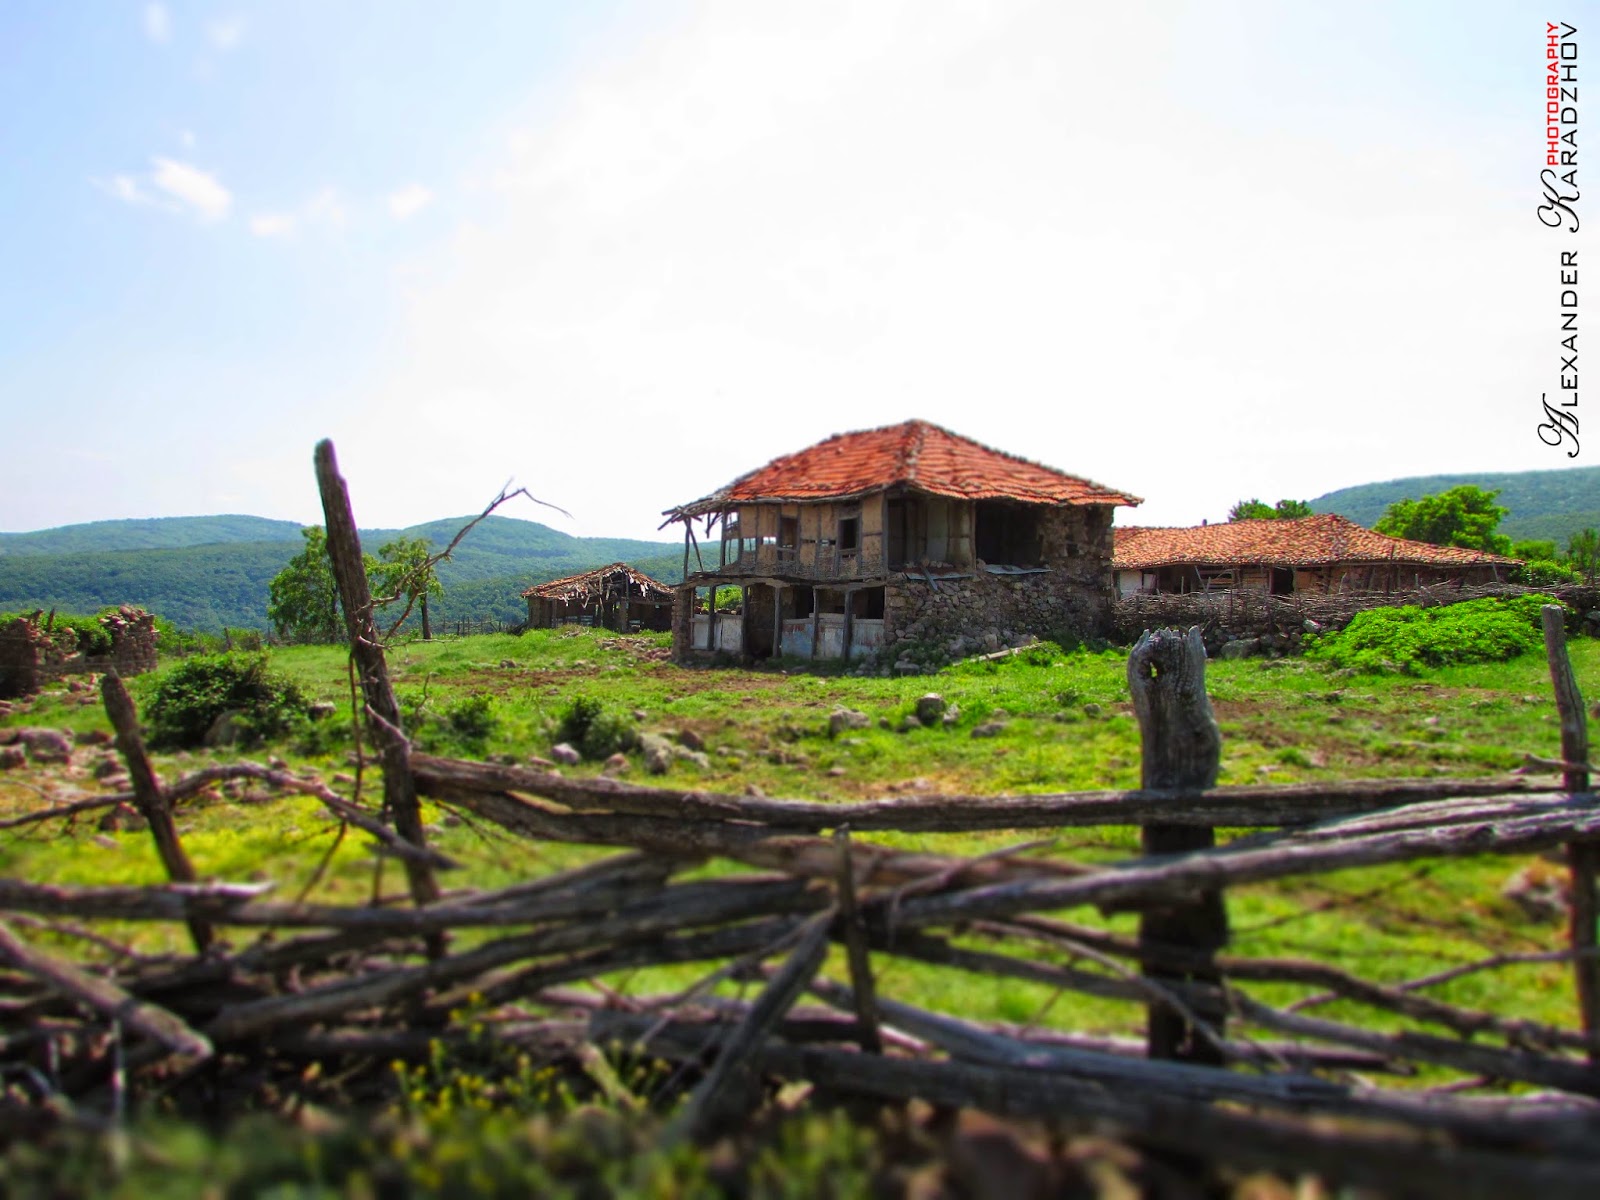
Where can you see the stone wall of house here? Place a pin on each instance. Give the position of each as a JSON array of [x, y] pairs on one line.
[[957, 617], [960, 617]]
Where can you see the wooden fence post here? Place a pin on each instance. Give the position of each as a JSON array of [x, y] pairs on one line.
[[1182, 748], [148, 796], [1583, 858], [382, 712]]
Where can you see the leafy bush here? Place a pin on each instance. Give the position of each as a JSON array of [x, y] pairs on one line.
[[189, 699], [1409, 638], [1546, 572], [473, 720], [595, 730]]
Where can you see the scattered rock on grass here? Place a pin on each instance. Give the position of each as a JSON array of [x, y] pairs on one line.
[[564, 753], [841, 719], [930, 707], [1539, 890], [657, 753], [12, 757], [989, 729]]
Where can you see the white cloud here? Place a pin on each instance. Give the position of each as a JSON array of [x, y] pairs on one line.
[[267, 225], [409, 201], [157, 23], [197, 190], [125, 188], [226, 33]]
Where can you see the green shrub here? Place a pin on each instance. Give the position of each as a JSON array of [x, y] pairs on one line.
[[190, 698], [1546, 572], [593, 729], [1409, 638], [473, 720]]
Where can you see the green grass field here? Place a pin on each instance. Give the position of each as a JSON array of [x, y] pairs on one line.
[[1068, 726]]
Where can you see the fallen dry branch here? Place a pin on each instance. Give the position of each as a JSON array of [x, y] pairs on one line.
[[1278, 805]]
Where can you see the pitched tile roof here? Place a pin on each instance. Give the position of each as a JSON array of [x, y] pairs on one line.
[[914, 454], [1303, 542], [599, 582]]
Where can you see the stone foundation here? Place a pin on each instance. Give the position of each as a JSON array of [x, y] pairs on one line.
[[953, 618]]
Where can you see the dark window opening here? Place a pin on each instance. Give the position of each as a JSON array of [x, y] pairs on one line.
[[867, 604], [802, 602], [1007, 534], [850, 534], [1282, 581], [788, 536]]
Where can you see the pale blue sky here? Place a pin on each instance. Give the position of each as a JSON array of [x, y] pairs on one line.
[[623, 252]]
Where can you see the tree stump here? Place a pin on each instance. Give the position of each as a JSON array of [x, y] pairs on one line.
[[1182, 748]]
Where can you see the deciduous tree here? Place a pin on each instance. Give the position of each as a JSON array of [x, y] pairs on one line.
[[1257, 510], [404, 571], [303, 599], [1464, 516]]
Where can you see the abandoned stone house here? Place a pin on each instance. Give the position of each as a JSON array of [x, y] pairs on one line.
[[612, 597], [1324, 554], [908, 533]]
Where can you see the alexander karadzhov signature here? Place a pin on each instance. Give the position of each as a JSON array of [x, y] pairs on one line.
[[1558, 184]]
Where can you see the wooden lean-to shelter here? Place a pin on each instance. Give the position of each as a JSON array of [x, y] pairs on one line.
[[614, 597], [900, 534], [1325, 553]]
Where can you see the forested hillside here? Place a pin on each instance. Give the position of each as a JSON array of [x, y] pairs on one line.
[[1543, 504], [155, 533], [158, 565]]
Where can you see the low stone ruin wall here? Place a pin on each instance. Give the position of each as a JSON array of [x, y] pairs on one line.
[[33, 652], [1265, 624]]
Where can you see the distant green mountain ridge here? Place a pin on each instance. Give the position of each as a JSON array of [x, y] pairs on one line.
[[1549, 505], [205, 573], [152, 533]]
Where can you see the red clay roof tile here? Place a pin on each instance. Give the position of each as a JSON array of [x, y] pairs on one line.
[[914, 454], [1304, 542]]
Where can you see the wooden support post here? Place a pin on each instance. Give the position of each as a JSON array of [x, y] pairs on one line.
[[862, 987], [1182, 748], [777, 617], [849, 622], [1583, 858], [382, 713], [147, 794]]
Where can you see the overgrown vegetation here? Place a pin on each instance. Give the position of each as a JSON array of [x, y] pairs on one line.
[[594, 729], [232, 698], [1409, 638]]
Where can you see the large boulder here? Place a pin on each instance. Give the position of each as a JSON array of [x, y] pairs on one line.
[[930, 708]]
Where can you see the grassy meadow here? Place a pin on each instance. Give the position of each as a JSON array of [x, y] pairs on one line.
[[1067, 725], [493, 1123]]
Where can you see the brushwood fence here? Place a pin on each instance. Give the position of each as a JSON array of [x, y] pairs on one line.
[[1221, 1073]]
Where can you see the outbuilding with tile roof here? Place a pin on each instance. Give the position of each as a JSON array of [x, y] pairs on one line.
[[1323, 553], [613, 597], [907, 533]]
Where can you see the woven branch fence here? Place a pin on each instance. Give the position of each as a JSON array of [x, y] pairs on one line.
[[1220, 1073]]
